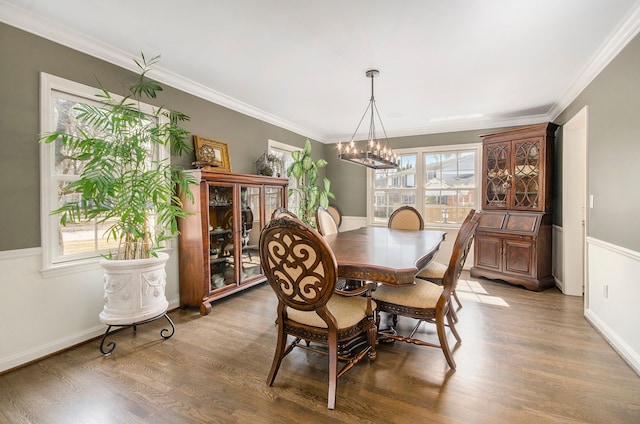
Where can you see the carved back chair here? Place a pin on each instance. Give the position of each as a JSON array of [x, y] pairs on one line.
[[426, 301], [302, 271], [327, 224], [435, 270], [406, 218], [336, 213]]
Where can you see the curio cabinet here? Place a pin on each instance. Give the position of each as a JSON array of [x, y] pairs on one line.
[[219, 243], [513, 239]]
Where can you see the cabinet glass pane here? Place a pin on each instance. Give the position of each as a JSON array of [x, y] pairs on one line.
[[250, 232], [526, 174], [221, 235], [273, 200], [498, 178]]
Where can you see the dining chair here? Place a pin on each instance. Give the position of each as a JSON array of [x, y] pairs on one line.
[[434, 272], [327, 224], [282, 211], [336, 213], [406, 218], [302, 271], [426, 301]]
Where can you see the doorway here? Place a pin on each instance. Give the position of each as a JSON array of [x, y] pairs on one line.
[[574, 199]]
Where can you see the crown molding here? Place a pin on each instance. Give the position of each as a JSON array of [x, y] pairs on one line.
[[67, 37], [617, 40], [48, 29]]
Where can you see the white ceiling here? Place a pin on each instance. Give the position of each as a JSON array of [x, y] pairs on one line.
[[445, 65]]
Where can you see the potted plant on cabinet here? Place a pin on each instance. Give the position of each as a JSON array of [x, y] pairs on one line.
[[310, 195], [125, 184]]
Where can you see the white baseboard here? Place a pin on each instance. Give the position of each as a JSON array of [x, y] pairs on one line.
[[39, 352], [631, 357]]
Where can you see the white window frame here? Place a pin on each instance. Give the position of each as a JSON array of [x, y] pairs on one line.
[[419, 186], [277, 145], [54, 263]]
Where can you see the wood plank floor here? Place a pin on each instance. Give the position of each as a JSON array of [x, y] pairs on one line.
[[526, 357]]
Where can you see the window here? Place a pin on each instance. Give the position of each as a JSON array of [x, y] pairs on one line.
[[283, 152], [441, 182], [75, 243], [394, 188]]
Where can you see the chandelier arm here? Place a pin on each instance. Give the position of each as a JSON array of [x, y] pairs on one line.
[[360, 123], [381, 123]]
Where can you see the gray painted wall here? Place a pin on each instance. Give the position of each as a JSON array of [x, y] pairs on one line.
[[614, 137], [613, 148], [23, 56]]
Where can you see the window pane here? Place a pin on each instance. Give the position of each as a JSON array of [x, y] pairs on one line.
[[65, 117], [450, 180], [285, 156], [86, 238], [394, 188]]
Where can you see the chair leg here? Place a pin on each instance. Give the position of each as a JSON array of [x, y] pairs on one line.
[[278, 355], [453, 314], [372, 335], [455, 296], [452, 326], [442, 336], [333, 370]]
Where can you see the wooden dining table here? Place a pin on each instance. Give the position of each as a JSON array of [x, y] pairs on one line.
[[382, 254]]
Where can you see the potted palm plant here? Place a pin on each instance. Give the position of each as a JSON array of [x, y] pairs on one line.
[[127, 186], [310, 195]]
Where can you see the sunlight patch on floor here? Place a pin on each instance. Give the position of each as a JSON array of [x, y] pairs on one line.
[[469, 290]]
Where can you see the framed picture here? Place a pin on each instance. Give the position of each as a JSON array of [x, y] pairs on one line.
[[211, 153]]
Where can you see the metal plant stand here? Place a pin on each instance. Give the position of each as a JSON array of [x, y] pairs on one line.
[[165, 333]]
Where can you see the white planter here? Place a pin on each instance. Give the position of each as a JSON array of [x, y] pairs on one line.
[[134, 290]]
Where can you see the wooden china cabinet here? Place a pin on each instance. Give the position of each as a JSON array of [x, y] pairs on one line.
[[513, 239], [219, 243]]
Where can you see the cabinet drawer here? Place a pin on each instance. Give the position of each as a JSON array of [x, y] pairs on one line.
[[492, 220], [522, 222]]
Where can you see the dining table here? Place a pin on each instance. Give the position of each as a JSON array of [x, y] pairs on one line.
[[384, 255]]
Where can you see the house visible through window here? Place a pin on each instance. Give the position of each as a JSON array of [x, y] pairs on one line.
[[74, 242], [441, 182]]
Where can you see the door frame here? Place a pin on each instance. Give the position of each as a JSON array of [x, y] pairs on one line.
[[574, 216]]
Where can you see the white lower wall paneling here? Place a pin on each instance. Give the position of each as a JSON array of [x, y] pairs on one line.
[[40, 316], [613, 290]]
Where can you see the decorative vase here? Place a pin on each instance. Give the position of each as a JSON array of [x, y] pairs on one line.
[[134, 290]]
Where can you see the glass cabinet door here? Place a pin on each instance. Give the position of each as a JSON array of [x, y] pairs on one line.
[[221, 236], [249, 232], [498, 178], [273, 201], [526, 173]]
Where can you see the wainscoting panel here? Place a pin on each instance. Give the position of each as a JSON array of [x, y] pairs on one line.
[[613, 292], [40, 315]]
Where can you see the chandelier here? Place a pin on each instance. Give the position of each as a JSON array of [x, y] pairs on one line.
[[373, 152]]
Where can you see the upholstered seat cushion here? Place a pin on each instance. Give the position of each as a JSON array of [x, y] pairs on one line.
[[348, 311], [433, 271], [423, 294]]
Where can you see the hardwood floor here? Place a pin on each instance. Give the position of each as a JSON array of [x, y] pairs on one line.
[[526, 357]]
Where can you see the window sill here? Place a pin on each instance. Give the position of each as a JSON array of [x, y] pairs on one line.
[[74, 267]]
